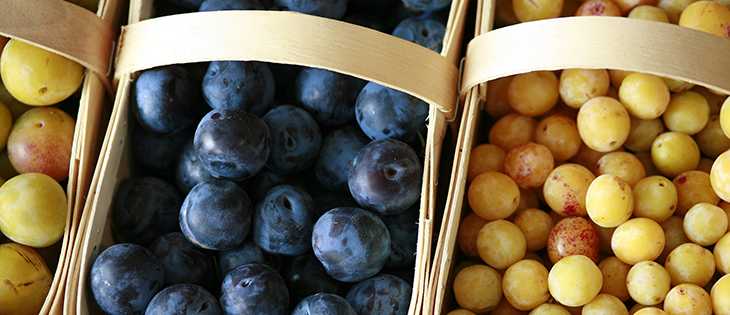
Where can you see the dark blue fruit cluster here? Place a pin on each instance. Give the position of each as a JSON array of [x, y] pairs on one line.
[[261, 188]]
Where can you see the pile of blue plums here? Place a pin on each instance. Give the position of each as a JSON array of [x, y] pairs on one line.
[[261, 188]]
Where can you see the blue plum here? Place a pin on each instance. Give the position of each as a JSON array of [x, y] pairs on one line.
[[184, 299], [258, 185], [246, 85], [254, 289], [283, 221], [403, 229], [157, 154], [189, 171], [144, 209], [353, 244], [425, 32], [383, 294], [333, 9], [216, 214], [124, 278], [386, 176], [182, 261], [383, 112], [166, 99], [306, 276], [329, 96], [426, 5], [295, 139], [336, 155], [245, 253], [219, 5], [232, 144], [324, 304]]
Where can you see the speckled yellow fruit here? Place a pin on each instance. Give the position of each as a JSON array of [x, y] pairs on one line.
[[707, 16], [32, 209], [35, 76], [720, 176], [25, 280]]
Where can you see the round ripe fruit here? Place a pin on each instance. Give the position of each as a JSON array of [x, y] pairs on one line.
[[461, 312], [529, 164], [721, 252], [712, 141], [493, 196], [674, 8], [478, 288], [6, 123], [573, 236], [500, 244], [605, 304], [26, 280], [609, 200], [604, 235], [645, 96], [690, 263], [622, 164], [589, 157], [638, 239], [688, 298], [566, 187], [725, 206], [674, 152], [575, 280], [550, 309], [603, 124], [598, 8], [655, 197], [649, 311], [497, 95], [577, 86], [725, 117], [705, 224], [648, 282], [525, 10], [614, 273], [533, 93], [484, 158], [649, 13], [36, 76], [688, 112], [41, 141], [32, 209], [617, 76], [642, 134], [719, 293], [719, 178], [511, 130], [525, 284], [528, 199], [693, 187], [536, 225], [673, 236], [707, 16], [466, 236], [559, 133]]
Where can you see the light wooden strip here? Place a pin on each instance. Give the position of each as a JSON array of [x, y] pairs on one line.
[[290, 38], [63, 28], [617, 43]]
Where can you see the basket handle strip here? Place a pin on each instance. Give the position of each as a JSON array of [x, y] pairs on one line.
[[600, 43], [289, 38], [63, 28]]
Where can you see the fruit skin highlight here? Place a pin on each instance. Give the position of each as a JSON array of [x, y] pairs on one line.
[[35, 76]]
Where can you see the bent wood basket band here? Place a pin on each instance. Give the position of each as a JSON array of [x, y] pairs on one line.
[[289, 38], [63, 28], [619, 43]]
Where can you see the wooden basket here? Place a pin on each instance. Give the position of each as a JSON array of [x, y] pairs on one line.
[[300, 40], [662, 49], [89, 39]]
